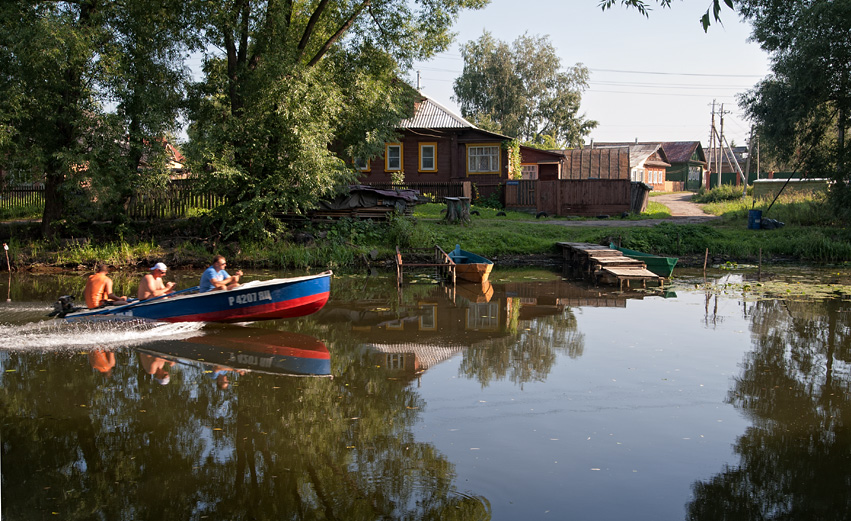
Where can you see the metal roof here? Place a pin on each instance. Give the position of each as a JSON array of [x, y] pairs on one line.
[[431, 114], [681, 151]]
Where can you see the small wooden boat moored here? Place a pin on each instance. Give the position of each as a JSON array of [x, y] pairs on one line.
[[255, 300], [662, 266], [469, 266]]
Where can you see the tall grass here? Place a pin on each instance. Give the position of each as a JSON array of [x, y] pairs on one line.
[[806, 209], [718, 194], [30, 211]]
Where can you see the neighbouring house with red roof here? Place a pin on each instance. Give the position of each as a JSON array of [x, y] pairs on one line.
[[669, 166]]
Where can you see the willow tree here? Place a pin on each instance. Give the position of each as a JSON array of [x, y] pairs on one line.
[[293, 90]]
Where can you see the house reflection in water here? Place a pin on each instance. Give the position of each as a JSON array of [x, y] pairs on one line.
[[436, 323]]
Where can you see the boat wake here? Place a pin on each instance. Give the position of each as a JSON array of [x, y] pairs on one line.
[[58, 334]]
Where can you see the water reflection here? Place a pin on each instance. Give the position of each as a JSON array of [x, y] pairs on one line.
[[241, 349], [794, 385], [510, 331], [152, 423], [209, 427]]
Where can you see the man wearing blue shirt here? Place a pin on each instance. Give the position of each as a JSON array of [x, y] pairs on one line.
[[215, 277]]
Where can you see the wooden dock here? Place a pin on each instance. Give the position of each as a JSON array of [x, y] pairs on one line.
[[603, 264], [424, 258]]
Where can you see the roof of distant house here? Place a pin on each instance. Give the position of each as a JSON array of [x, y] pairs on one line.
[[675, 151], [681, 151], [639, 152]]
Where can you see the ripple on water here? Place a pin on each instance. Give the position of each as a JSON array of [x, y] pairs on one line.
[[58, 334]]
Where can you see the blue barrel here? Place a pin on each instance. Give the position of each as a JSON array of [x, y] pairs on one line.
[[754, 219]]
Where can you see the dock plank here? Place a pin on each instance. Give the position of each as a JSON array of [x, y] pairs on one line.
[[606, 264]]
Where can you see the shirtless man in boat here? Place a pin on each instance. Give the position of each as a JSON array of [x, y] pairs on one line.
[[152, 283], [215, 277], [98, 290]]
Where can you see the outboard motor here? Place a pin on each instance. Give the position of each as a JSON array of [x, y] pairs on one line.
[[63, 306]]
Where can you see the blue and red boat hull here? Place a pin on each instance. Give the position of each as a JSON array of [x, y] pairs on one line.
[[256, 300]]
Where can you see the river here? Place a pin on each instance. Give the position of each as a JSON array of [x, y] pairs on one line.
[[536, 397]]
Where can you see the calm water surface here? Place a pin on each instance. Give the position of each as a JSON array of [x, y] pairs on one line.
[[534, 398]]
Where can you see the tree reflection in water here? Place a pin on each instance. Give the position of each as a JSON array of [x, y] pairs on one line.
[[795, 461], [85, 446], [527, 355]]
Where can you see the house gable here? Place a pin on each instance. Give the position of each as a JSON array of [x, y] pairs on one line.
[[436, 146]]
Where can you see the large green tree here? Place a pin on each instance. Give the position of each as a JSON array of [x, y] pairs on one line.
[[88, 88], [803, 109], [521, 90], [292, 90]]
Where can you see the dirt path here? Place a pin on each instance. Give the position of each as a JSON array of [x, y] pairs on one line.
[[681, 206]]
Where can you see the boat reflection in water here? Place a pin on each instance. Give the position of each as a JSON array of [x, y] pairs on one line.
[[241, 349], [475, 292]]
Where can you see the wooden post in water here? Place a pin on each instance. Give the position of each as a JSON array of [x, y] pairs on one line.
[[705, 258], [759, 269], [8, 265]]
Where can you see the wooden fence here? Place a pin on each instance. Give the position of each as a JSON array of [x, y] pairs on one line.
[[173, 201], [583, 197], [22, 195]]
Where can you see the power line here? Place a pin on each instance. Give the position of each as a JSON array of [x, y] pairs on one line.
[[668, 85], [657, 94], [658, 73], [679, 73]]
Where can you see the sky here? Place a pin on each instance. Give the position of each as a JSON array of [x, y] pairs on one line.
[[652, 78]]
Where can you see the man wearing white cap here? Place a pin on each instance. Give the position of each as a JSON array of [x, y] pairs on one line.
[[152, 283]]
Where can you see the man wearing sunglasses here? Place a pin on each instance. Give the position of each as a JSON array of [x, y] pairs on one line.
[[215, 277]]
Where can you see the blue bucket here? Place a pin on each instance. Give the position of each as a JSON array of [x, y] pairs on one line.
[[754, 219]]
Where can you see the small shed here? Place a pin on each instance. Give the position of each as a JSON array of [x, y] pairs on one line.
[[596, 163]]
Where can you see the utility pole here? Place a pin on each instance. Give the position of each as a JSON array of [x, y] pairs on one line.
[[757, 157], [748, 165], [711, 144], [720, 143]]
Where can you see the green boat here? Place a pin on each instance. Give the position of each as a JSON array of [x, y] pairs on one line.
[[662, 266]]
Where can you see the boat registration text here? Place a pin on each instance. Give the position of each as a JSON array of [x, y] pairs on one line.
[[247, 298]]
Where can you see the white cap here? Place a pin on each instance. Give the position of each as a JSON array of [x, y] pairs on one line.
[[159, 266]]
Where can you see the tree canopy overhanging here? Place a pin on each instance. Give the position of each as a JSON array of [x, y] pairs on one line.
[[289, 91], [802, 110]]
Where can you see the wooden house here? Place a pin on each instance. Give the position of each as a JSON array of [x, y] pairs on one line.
[[688, 165], [438, 146], [545, 165]]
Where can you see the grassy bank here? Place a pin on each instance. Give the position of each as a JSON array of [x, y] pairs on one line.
[[809, 237]]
